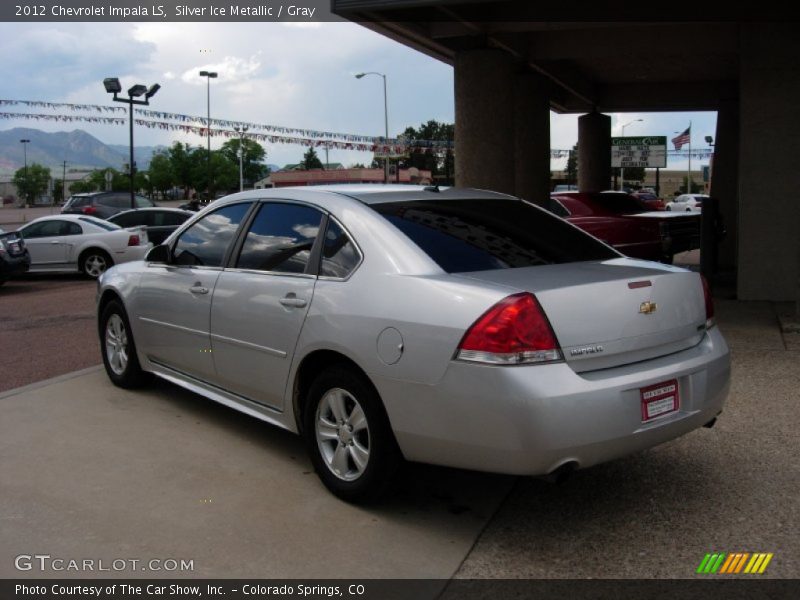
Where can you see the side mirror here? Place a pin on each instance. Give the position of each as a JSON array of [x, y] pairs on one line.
[[158, 254]]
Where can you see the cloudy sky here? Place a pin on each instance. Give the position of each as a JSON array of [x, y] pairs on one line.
[[293, 75]]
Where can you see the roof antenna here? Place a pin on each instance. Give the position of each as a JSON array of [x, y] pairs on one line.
[[431, 188]]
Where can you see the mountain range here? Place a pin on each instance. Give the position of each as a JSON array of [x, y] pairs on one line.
[[78, 148]]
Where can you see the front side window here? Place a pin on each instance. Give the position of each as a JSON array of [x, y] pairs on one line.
[[280, 238], [477, 235], [207, 240], [339, 254], [45, 229]]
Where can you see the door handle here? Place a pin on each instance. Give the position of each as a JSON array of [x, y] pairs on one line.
[[198, 289], [55, 242], [292, 300]]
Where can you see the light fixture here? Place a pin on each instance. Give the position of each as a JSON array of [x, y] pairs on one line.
[[137, 90], [152, 91], [112, 85]]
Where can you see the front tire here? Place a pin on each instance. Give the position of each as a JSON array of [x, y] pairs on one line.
[[95, 262], [348, 436], [118, 349]]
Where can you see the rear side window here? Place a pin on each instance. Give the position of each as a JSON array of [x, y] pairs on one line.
[[142, 202], [339, 254], [479, 235], [280, 238], [165, 219], [207, 240], [114, 201]]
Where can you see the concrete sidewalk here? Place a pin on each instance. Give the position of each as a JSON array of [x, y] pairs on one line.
[[92, 471]]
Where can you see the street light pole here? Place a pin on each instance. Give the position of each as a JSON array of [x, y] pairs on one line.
[[27, 186], [622, 169], [209, 75], [385, 121], [113, 86], [241, 133]]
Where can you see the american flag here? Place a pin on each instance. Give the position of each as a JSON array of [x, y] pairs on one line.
[[683, 138]]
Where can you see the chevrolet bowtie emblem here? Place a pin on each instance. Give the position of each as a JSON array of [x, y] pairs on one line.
[[647, 308]]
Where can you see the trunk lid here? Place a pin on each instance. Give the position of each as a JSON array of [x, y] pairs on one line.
[[615, 312]]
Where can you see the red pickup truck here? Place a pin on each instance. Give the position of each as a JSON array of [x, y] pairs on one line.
[[628, 224]]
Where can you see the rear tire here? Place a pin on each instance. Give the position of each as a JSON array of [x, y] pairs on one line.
[[94, 262], [118, 348], [348, 436]]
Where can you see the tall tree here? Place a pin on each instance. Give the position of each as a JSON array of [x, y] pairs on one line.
[[572, 165], [439, 161], [253, 156], [184, 161], [32, 182], [160, 172], [311, 160]]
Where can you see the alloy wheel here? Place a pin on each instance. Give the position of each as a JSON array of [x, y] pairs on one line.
[[342, 434], [117, 344]]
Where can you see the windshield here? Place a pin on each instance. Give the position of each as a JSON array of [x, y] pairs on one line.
[[478, 235]]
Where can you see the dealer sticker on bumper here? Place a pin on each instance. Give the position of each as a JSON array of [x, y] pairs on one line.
[[659, 399]]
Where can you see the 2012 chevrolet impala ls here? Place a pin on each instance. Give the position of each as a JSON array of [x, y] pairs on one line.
[[457, 327]]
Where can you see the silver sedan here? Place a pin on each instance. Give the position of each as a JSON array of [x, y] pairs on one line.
[[459, 327]]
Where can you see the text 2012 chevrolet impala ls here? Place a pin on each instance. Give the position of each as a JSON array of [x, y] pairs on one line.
[[459, 327]]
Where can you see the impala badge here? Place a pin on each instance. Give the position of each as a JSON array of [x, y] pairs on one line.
[[648, 308]]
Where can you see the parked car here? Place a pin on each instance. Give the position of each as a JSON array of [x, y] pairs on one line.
[[460, 327], [687, 203], [159, 221], [565, 187], [102, 204], [81, 243], [14, 256], [650, 200], [628, 224]]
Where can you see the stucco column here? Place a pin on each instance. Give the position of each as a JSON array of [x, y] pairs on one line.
[[594, 152], [769, 178], [725, 177], [531, 138], [484, 131]]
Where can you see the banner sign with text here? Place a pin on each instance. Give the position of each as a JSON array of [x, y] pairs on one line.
[[647, 151]]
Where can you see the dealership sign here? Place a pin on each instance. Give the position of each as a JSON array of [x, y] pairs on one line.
[[647, 151]]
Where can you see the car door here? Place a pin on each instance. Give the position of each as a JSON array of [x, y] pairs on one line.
[[173, 301], [261, 301], [45, 241]]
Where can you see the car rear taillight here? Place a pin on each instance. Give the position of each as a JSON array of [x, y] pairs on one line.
[[514, 331], [709, 300], [88, 210], [133, 240]]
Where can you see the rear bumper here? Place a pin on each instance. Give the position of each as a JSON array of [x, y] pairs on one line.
[[529, 420]]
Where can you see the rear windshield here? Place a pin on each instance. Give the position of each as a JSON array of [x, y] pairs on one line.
[[480, 235], [77, 201], [619, 204], [100, 223]]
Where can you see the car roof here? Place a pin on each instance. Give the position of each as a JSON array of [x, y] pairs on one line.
[[373, 194], [154, 209]]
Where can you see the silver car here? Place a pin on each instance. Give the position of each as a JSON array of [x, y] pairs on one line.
[[459, 327]]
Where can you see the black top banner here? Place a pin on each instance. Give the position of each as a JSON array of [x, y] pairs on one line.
[[168, 10], [405, 11]]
